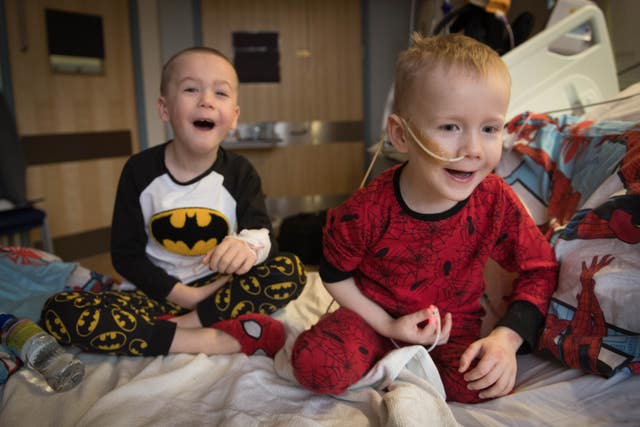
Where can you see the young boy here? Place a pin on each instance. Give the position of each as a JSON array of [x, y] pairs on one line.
[[404, 257], [190, 230]]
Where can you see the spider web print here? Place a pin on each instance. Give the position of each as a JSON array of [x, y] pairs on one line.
[[405, 262], [337, 352]]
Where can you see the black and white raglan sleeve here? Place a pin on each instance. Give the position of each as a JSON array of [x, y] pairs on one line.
[[254, 224], [129, 237]]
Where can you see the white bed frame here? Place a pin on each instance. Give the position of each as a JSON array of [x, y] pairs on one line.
[[543, 80]]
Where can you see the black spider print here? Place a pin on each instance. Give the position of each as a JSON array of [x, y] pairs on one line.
[[447, 268]]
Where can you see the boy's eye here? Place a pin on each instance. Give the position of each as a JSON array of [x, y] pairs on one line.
[[191, 90], [490, 129], [450, 127], [221, 93]]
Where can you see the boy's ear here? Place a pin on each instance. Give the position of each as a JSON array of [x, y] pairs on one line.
[[235, 120], [162, 109], [395, 130]]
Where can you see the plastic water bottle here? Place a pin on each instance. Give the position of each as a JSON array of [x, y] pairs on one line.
[[41, 352]]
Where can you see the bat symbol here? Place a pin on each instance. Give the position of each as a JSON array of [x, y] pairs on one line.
[[189, 231]]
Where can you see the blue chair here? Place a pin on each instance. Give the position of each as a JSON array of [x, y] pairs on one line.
[[19, 216]]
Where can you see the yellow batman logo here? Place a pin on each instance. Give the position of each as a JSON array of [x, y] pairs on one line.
[[55, 326], [125, 320], [262, 270], [121, 298], [267, 308], [66, 296], [283, 264], [109, 341], [86, 299], [189, 231], [87, 321], [301, 270], [223, 299], [137, 346], [281, 291], [241, 308], [250, 285]]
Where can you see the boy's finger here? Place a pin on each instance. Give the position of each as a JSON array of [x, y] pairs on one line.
[[468, 356], [207, 258], [446, 328]]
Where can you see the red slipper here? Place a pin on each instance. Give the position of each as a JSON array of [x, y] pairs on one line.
[[255, 333]]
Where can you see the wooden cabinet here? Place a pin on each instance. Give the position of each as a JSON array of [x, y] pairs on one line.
[[320, 56]]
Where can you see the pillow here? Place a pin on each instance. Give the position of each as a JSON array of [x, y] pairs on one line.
[[27, 278], [581, 182]]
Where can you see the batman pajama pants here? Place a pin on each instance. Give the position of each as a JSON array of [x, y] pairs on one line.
[[125, 322]]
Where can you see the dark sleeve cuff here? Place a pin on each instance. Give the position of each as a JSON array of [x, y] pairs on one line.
[[524, 318], [330, 274]]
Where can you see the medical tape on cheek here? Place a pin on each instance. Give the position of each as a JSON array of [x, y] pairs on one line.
[[429, 146]]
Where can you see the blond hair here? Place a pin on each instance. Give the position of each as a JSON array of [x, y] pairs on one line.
[[167, 70], [448, 51]]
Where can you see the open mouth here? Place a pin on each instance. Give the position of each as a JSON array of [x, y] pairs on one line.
[[204, 124], [459, 174]]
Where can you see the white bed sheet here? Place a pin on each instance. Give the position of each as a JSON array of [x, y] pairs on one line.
[[245, 391]]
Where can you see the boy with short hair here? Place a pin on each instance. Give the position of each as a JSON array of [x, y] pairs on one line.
[[191, 231], [404, 257]]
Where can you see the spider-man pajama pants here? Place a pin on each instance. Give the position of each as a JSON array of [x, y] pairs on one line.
[[337, 351], [124, 322]]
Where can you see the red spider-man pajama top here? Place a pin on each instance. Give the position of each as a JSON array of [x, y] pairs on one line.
[[406, 261]]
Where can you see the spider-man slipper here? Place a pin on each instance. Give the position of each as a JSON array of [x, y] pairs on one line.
[[255, 333]]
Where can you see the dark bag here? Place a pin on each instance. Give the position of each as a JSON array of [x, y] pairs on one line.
[[301, 234]]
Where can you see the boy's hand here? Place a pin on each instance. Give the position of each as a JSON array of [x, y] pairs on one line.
[[495, 373], [411, 329], [231, 256], [188, 296]]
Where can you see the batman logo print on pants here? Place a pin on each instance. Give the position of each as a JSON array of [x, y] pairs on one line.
[[109, 341], [281, 291], [189, 231], [88, 321], [138, 346], [56, 327]]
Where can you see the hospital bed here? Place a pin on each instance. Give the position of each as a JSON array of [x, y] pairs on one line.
[[403, 389]]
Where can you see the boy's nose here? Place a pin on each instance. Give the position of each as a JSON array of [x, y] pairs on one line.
[[207, 99], [472, 145]]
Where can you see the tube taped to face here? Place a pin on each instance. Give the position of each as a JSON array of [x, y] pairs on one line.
[[433, 149]]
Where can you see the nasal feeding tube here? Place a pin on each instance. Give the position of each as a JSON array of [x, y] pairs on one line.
[[433, 144]]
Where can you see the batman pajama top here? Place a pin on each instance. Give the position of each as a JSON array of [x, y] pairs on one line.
[[161, 229]]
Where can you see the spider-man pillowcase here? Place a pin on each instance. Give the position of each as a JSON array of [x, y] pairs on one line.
[[580, 181]]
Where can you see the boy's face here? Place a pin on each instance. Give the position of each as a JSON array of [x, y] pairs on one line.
[[200, 101], [462, 115]]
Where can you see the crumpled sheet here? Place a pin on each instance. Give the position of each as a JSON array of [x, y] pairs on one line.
[[403, 389]]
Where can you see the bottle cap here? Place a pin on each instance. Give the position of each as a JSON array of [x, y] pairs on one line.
[[5, 317]]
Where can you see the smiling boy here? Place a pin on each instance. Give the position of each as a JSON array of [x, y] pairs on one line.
[[190, 230], [413, 244]]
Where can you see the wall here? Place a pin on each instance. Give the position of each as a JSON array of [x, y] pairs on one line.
[[77, 129]]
